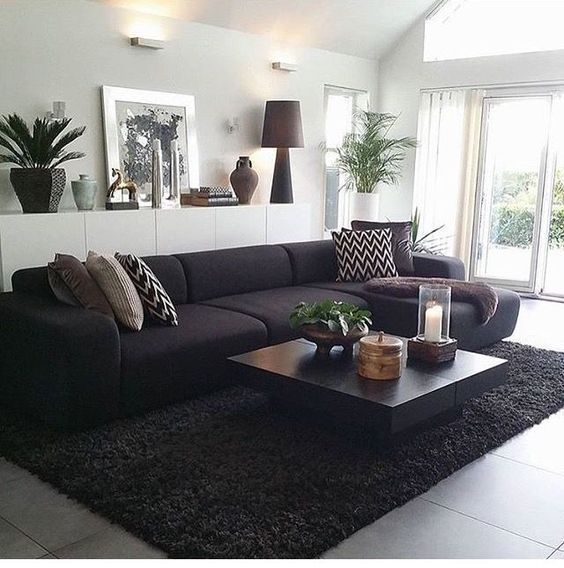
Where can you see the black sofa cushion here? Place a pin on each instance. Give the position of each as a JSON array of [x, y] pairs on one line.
[[224, 272], [160, 365], [273, 307], [312, 261], [170, 274], [399, 315], [34, 281]]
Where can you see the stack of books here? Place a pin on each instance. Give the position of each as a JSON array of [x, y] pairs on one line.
[[210, 197]]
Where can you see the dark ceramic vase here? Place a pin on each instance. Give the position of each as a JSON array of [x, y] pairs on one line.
[[39, 190], [244, 180]]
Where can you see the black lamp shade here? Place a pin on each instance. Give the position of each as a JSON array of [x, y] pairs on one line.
[[282, 125]]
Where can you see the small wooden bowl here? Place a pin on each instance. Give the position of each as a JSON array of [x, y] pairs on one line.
[[325, 339], [379, 357]]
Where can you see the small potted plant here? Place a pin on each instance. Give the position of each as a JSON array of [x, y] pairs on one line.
[[369, 157], [39, 182], [330, 323]]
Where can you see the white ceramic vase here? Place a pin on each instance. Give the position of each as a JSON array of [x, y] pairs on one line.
[[363, 206]]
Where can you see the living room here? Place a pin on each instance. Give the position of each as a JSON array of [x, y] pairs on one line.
[[281, 279]]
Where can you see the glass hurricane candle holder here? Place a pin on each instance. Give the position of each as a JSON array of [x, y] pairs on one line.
[[434, 313]]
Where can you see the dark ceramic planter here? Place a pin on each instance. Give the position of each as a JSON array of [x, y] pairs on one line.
[[244, 180], [325, 339], [38, 190]]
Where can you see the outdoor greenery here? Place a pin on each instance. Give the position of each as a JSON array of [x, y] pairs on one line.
[[337, 316], [368, 156], [42, 147], [514, 216]]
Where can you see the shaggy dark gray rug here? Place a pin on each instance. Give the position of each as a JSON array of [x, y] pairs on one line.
[[225, 476]]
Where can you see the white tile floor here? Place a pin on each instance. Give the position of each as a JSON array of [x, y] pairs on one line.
[[508, 504]]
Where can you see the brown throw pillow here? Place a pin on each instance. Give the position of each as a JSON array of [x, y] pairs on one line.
[[71, 284], [118, 289], [402, 245]]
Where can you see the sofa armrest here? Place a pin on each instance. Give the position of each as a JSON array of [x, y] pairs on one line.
[[60, 364], [437, 266]]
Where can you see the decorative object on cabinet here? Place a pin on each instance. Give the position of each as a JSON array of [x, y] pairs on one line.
[[173, 198], [117, 203], [211, 197], [282, 130], [244, 180], [133, 119], [84, 192], [329, 324], [39, 182], [157, 175]]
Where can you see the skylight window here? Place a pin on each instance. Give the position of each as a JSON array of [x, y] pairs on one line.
[[459, 29]]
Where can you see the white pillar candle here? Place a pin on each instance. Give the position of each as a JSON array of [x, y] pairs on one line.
[[433, 323]]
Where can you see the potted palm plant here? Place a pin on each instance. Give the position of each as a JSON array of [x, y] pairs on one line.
[[39, 182], [369, 157]]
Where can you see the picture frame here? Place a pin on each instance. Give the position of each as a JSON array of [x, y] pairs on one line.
[[133, 118]]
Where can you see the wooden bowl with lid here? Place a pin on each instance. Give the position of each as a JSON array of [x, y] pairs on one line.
[[379, 357]]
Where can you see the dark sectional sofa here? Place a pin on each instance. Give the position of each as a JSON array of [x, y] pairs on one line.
[[75, 368]]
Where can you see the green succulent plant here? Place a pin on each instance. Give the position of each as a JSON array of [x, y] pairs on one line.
[[41, 147], [337, 316]]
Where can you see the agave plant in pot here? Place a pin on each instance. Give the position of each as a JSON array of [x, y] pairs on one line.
[[330, 323], [369, 157], [39, 181]]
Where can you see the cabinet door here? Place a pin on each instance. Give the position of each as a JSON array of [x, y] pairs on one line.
[[121, 231], [240, 226], [30, 240], [288, 223], [185, 230]]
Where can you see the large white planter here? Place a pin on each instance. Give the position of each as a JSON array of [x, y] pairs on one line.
[[363, 206]]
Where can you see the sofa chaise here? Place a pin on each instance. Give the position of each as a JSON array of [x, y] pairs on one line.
[[74, 368]]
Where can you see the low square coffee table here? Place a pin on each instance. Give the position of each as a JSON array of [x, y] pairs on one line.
[[425, 394]]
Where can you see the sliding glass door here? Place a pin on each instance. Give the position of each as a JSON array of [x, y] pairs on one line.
[[511, 187]]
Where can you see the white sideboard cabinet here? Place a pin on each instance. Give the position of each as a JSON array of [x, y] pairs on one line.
[[33, 239]]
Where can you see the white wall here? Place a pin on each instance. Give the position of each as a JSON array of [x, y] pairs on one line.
[[66, 49], [403, 74]]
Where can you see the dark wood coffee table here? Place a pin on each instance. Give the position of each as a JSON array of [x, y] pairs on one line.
[[331, 388]]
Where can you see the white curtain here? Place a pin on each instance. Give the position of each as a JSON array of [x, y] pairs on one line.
[[446, 164]]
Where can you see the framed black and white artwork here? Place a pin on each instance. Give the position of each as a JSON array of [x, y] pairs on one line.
[[133, 118]]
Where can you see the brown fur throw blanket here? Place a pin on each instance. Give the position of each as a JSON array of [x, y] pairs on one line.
[[482, 296]]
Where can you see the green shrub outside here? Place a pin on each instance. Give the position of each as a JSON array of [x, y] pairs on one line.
[[512, 226]]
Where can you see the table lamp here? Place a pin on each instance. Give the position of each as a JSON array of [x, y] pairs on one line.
[[282, 130]]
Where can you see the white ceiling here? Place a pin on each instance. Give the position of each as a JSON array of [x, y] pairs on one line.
[[365, 28]]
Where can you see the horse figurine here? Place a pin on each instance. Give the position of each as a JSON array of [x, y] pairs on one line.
[[119, 183]]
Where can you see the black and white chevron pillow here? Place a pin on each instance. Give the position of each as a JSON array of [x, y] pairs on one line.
[[362, 255], [154, 298]]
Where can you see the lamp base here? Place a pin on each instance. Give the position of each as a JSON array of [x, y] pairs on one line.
[[282, 178], [432, 352]]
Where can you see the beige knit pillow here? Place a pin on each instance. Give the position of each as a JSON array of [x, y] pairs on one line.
[[118, 288]]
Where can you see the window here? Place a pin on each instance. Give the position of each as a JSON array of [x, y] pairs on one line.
[[459, 29], [340, 105]]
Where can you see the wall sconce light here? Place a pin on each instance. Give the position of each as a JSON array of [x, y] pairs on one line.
[[147, 42], [281, 66], [58, 112], [233, 125]]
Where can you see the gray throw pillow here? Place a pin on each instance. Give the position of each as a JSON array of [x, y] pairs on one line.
[[71, 284], [402, 245], [118, 289]]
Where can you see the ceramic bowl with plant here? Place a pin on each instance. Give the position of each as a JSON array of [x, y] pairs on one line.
[[39, 181], [330, 323]]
